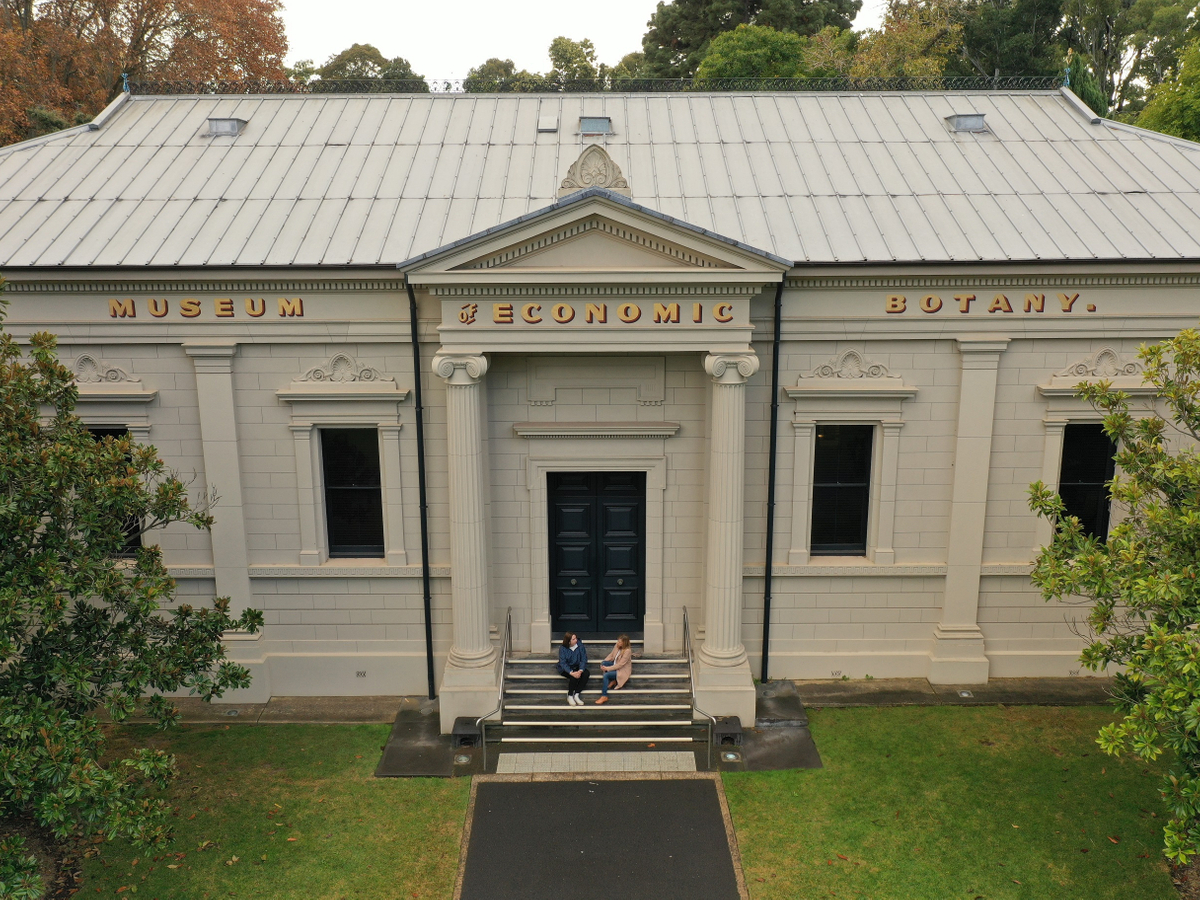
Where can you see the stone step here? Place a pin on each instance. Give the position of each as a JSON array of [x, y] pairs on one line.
[[557, 690], [623, 706]]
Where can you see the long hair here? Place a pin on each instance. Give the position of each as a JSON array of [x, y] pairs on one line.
[[623, 642], [567, 638]]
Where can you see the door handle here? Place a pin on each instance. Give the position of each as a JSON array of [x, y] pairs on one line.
[[573, 581], [620, 581]]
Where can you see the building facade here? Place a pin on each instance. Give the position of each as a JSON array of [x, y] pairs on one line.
[[595, 278]]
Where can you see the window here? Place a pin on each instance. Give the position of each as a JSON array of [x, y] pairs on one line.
[[595, 125], [133, 527], [841, 490], [353, 491], [1087, 467]]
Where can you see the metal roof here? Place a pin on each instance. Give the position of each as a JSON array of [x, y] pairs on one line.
[[378, 179]]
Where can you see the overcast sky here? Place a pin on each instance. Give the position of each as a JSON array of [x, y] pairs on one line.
[[445, 39]]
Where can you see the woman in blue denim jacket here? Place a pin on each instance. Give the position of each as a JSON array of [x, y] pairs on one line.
[[572, 665]]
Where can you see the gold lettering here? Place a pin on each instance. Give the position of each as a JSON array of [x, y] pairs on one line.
[[964, 302], [723, 312], [931, 303], [895, 303], [502, 313], [562, 313], [697, 312], [528, 313], [291, 307], [189, 308], [254, 307], [666, 312], [1067, 302], [122, 308], [158, 311], [1035, 303], [629, 312], [223, 307], [595, 312], [1000, 304]]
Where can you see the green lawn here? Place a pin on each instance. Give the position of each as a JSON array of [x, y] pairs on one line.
[[954, 803], [292, 811], [914, 803]]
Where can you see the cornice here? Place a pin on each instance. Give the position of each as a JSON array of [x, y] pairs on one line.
[[1032, 280], [596, 429], [193, 285], [638, 290]]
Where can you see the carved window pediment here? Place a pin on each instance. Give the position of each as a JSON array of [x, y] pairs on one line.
[[1106, 364]]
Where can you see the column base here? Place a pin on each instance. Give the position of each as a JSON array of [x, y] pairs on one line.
[[957, 656], [726, 691], [652, 637], [466, 692], [539, 637]]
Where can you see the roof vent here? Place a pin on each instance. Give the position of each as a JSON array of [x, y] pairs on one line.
[[548, 122], [970, 122], [225, 127], [595, 125]]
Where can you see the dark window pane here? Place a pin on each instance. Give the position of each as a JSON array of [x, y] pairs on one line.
[[841, 490], [133, 527], [1087, 467], [353, 498]]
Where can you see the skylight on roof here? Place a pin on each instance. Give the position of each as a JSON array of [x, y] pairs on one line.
[[219, 127], [970, 122], [595, 125]]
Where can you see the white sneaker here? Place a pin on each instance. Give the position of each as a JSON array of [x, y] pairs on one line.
[[570, 699]]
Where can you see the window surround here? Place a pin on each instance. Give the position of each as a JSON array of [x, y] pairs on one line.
[[109, 397], [345, 394], [1063, 408], [848, 390]]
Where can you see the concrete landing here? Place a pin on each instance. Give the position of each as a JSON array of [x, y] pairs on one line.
[[634, 761]]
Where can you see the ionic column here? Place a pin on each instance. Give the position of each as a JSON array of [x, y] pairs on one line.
[[726, 491], [958, 655], [472, 647]]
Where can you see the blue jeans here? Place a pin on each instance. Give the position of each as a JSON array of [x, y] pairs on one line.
[[608, 676]]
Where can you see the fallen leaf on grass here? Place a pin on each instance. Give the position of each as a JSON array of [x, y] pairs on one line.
[[230, 862], [1115, 840], [839, 856], [172, 865], [293, 839], [1083, 849], [1014, 881]]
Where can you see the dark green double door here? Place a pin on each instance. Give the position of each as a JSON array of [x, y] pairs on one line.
[[597, 551]]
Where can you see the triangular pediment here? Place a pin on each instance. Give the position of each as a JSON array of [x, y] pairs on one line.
[[594, 235], [597, 242]]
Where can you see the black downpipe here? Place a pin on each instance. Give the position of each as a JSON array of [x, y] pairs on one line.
[[417, 372], [772, 452]]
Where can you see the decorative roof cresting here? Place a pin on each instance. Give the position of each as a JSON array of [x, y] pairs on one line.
[[594, 168]]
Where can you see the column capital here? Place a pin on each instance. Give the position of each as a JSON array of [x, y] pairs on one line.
[[212, 359], [730, 368], [459, 368]]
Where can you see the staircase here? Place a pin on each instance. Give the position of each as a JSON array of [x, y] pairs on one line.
[[654, 707]]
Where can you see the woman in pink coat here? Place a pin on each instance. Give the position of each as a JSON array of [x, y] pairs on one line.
[[617, 666]]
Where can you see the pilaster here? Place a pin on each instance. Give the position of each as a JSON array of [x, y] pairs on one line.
[[469, 682], [725, 686], [222, 471], [958, 656]]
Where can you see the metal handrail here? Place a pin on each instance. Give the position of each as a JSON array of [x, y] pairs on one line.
[[687, 650], [481, 722]]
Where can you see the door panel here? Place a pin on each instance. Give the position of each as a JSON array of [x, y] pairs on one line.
[[597, 551]]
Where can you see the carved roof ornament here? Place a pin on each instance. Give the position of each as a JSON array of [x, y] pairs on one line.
[[90, 369], [594, 168], [1104, 363], [850, 364], [343, 368]]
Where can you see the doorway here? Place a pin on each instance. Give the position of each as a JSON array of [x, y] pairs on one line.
[[597, 551]]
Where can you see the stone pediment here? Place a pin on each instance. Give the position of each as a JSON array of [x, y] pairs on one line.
[[596, 243]]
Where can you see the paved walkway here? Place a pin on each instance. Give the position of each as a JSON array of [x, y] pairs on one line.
[[621, 761]]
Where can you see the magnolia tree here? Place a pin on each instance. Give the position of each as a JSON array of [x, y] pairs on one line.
[[1141, 583], [82, 624]]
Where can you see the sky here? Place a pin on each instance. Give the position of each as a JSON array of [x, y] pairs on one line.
[[447, 41]]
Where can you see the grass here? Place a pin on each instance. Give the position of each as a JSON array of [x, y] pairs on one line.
[[290, 811], [913, 804], [941, 802]]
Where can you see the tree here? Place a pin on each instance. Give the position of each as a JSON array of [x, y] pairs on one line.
[[302, 72], [573, 65], [830, 52], [364, 62], [916, 39], [1174, 106], [501, 76], [680, 32], [1084, 84], [753, 51], [1011, 37], [1141, 583], [82, 628]]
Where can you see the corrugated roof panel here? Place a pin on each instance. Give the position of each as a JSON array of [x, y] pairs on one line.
[[294, 177], [346, 233], [547, 170], [345, 176], [879, 114], [515, 207], [1008, 237], [671, 206], [297, 129], [898, 243], [746, 112], [652, 170], [458, 123], [699, 212], [459, 216], [1178, 169], [763, 166], [982, 160], [176, 244], [813, 168], [137, 223], [199, 175], [1143, 222], [704, 121], [812, 234], [394, 120], [31, 250], [931, 111], [868, 234], [1063, 242], [504, 122], [1027, 159], [75, 233], [974, 227], [479, 126], [679, 121], [947, 168], [470, 171], [430, 236], [741, 176], [158, 226], [1097, 169], [282, 230], [884, 165], [1068, 179], [367, 248], [37, 173], [814, 124], [432, 118], [63, 187], [167, 185], [321, 129], [485, 215], [1046, 127], [783, 226], [857, 161], [217, 221], [231, 244], [107, 228], [792, 119], [139, 120], [317, 182], [716, 176], [838, 230], [642, 125], [842, 179], [1177, 218], [689, 169], [755, 230], [350, 122], [1083, 214], [787, 168], [919, 228], [766, 108], [420, 174], [320, 232], [397, 169], [1133, 165]]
